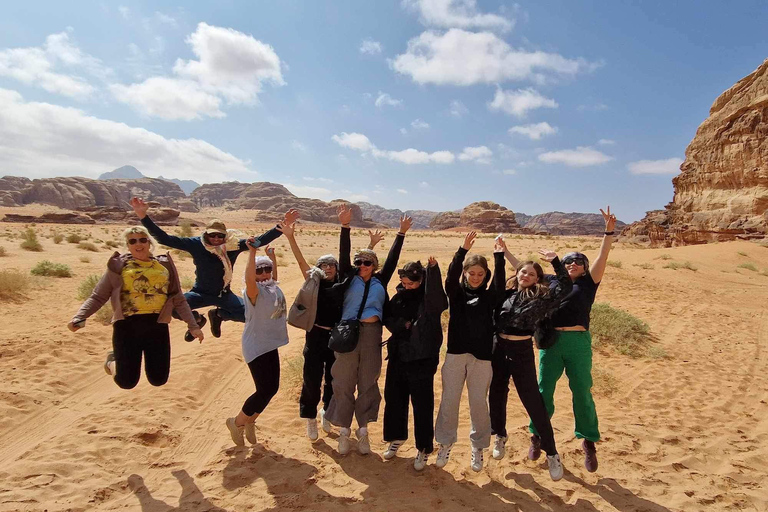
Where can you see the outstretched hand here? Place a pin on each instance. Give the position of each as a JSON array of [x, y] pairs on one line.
[[547, 255], [288, 229], [469, 240], [499, 245], [270, 251], [376, 237], [291, 216], [139, 206], [432, 261], [405, 224], [345, 214], [609, 218]]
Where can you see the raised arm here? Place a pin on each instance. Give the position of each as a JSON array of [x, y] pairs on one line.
[[453, 278], [507, 253], [564, 283], [291, 216], [376, 237], [598, 266], [251, 288], [289, 232], [345, 241], [498, 286], [436, 300], [271, 253], [140, 207], [394, 252]]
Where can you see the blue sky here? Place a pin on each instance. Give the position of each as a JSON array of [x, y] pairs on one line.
[[420, 104]]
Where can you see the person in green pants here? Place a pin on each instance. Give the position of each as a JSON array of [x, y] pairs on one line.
[[571, 351]]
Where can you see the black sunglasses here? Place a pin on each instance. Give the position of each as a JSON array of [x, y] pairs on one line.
[[216, 235], [262, 270], [142, 240], [578, 261], [366, 263]]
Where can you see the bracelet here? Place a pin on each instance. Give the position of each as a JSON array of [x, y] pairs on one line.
[[608, 233], [401, 234]]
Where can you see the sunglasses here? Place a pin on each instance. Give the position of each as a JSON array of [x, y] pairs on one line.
[[359, 263], [578, 261], [142, 240], [327, 265], [263, 270], [216, 235]]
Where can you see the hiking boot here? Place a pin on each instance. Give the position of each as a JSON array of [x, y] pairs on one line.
[[215, 318], [590, 455], [312, 429], [110, 359], [236, 432], [392, 450], [499, 447], [555, 467], [534, 451], [250, 432], [363, 445], [443, 454], [421, 460], [326, 425], [201, 321], [477, 460], [344, 441]]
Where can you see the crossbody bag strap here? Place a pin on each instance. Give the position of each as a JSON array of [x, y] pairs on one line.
[[365, 297]]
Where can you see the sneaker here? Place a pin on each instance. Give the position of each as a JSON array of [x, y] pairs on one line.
[[215, 318], [326, 425], [110, 359], [344, 441], [555, 467], [392, 450], [534, 451], [236, 432], [201, 321], [250, 432], [443, 454], [312, 429], [477, 459], [421, 460], [590, 455], [363, 445], [499, 447]]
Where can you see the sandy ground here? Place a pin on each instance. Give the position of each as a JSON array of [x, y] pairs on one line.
[[687, 432]]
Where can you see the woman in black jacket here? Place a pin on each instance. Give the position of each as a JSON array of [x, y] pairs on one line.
[[526, 303], [413, 318]]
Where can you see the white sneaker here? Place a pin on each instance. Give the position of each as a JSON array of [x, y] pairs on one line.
[[363, 445], [555, 467], [312, 429], [327, 426], [344, 441], [499, 447], [392, 450], [236, 432], [421, 460], [477, 460], [250, 432], [109, 362], [443, 453]]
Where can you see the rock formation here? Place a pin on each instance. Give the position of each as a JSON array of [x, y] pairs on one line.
[[126, 172], [391, 217], [559, 223], [483, 216], [722, 190]]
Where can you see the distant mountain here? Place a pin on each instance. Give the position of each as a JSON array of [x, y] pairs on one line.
[[186, 185], [129, 172], [391, 217]]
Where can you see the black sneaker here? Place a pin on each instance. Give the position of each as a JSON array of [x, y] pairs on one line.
[[534, 451], [201, 321], [215, 318]]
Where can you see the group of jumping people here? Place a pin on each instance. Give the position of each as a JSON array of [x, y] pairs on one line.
[[343, 305]]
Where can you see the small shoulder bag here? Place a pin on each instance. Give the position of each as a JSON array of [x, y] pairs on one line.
[[345, 333]]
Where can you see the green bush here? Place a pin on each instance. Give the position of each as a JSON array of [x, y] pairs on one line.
[[30, 242], [88, 246], [58, 238], [12, 284], [664, 257], [619, 330], [748, 266], [49, 268], [74, 238], [686, 265]]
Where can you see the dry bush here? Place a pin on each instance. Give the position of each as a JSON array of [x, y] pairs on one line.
[[185, 228], [74, 238], [30, 242], [664, 257], [604, 382], [50, 269], [88, 246], [187, 282], [85, 259], [620, 331], [58, 238], [748, 266], [292, 373], [613, 263], [686, 265], [84, 290], [13, 284], [646, 266], [3, 252]]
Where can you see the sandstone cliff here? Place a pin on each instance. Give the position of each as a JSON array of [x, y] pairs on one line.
[[483, 216], [722, 190], [391, 217], [559, 223]]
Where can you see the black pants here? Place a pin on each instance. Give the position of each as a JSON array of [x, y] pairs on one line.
[[265, 371], [318, 361], [516, 359], [414, 380], [136, 335]]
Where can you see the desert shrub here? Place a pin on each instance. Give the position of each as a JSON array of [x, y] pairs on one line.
[[88, 246], [748, 266], [74, 238], [664, 257], [646, 266], [112, 244], [12, 284], [58, 238], [613, 263], [85, 259], [30, 242], [185, 228], [742, 253], [292, 372], [84, 290], [619, 330], [51, 269], [686, 265], [605, 383]]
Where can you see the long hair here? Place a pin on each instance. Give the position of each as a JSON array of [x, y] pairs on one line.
[[537, 290], [139, 230]]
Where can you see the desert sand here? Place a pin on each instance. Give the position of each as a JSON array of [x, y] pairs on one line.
[[684, 432]]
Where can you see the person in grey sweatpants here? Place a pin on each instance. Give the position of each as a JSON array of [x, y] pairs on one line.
[[470, 346]]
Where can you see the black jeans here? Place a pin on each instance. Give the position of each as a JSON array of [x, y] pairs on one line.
[[516, 359], [318, 361], [414, 380], [138, 335], [265, 371]]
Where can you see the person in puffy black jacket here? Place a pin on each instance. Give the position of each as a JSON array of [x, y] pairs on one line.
[[413, 318]]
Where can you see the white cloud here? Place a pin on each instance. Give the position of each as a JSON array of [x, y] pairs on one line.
[[311, 192], [41, 140], [404, 131], [384, 99], [418, 124], [39, 66], [596, 107], [668, 166], [232, 67], [458, 57], [508, 172], [456, 13], [124, 12], [402, 191], [410, 156], [582, 156], [165, 19], [534, 131], [480, 154], [519, 102], [298, 146], [606, 142], [370, 47], [458, 109]]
